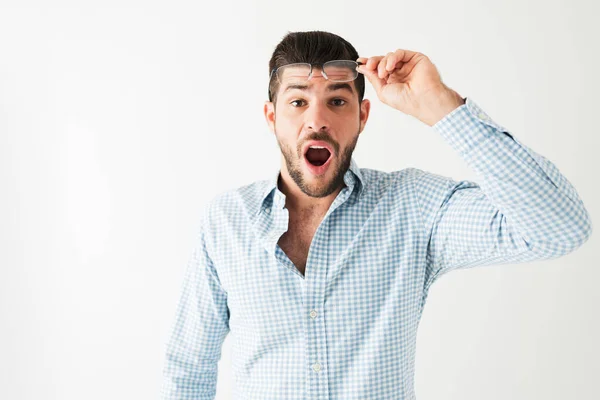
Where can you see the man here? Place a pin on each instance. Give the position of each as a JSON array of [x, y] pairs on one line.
[[321, 273]]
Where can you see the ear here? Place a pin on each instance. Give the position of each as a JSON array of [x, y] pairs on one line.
[[269, 110], [365, 108]]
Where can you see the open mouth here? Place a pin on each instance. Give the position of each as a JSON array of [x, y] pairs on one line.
[[317, 155]]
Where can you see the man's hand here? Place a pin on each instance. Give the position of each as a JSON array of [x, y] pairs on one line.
[[409, 82]]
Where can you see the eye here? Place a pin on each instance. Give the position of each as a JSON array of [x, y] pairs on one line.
[[343, 102]]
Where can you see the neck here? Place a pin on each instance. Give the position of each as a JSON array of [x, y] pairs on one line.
[[296, 201]]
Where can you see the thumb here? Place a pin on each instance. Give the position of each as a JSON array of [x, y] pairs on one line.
[[373, 77]]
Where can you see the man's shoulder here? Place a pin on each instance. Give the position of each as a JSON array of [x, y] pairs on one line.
[[427, 185], [388, 179]]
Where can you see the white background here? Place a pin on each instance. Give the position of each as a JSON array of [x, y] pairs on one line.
[[120, 120]]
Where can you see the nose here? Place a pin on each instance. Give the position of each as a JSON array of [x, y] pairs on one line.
[[317, 117]]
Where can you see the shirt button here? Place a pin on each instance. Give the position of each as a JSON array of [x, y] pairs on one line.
[[483, 116], [313, 314], [317, 367]]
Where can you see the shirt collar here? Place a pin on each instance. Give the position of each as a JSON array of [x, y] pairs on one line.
[[351, 177]]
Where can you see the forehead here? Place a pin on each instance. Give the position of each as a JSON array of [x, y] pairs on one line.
[[293, 77], [308, 86]]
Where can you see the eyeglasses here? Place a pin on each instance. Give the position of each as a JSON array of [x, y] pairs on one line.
[[335, 71]]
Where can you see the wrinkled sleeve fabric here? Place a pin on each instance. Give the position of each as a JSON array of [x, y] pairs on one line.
[[199, 329], [522, 209]]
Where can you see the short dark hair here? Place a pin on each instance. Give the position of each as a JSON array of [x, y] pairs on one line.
[[314, 47]]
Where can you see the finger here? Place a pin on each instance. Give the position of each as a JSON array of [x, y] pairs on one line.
[[394, 62], [404, 56], [399, 58], [372, 62], [381, 68], [372, 65], [372, 77], [394, 67]]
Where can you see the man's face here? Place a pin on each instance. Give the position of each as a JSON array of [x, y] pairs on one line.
[[315, 111]]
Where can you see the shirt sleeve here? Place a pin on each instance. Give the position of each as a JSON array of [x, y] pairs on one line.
[[522, 209], [199, 329]]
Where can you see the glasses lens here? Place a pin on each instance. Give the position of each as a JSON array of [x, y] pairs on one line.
[[291, 72], [340, 70], [336, 71]]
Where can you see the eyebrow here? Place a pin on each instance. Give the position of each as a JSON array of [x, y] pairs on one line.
[[331, 88]]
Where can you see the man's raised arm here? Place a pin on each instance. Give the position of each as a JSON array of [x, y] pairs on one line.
[[523, 209]]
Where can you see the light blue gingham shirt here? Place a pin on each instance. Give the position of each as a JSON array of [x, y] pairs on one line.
[[347, 329]]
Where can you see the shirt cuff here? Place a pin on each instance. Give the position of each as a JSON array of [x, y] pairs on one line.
[[467, 126]]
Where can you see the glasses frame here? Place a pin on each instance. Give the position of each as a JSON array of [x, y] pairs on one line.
[[274, 71]]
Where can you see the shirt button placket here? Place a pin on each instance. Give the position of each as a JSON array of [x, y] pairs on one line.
[[318, 385]]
